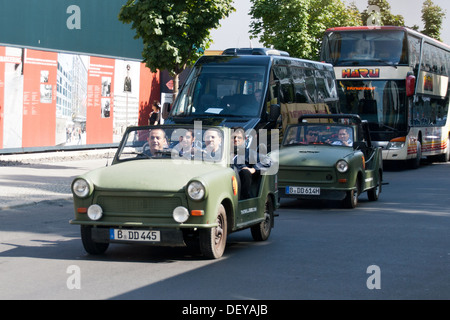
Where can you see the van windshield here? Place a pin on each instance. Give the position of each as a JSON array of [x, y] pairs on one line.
[[225, 90]]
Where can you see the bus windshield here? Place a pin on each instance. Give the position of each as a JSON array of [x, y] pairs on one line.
[[382, 103], [372, 47], [222, 90]]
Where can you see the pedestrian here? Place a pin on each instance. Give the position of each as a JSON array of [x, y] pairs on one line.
[[155, 116]]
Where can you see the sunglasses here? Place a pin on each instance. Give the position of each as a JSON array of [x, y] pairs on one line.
[[313, 134]]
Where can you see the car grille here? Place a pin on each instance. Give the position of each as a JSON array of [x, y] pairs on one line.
[[138, 205]]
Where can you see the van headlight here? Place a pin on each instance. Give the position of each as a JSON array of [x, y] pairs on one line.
[[196, 190], [342, 166], [80, 188]]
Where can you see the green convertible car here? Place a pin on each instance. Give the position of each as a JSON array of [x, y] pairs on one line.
[[171, 186], [329, 157]]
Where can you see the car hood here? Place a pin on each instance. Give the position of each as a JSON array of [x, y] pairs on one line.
[[313, 155], [149, 175]]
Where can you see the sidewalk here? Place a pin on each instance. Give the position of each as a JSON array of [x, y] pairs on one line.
[[30, 178]]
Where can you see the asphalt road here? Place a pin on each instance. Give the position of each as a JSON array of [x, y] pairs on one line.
[[395, 248]]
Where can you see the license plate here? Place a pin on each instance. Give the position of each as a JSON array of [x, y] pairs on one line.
[[135, 235], [312, 191]]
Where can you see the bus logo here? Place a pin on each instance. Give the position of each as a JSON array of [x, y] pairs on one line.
[[361, 73], [428, 83]]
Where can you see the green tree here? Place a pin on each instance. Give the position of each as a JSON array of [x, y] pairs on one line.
[[432, 17], [297, 26], [175, 33], [380, 10]]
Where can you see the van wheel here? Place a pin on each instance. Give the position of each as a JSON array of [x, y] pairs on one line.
[[261, 231], [214, 240], [89, 244]]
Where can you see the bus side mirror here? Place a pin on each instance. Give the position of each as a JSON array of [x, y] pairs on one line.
[[410, 85], [165, 110], [274, 112]]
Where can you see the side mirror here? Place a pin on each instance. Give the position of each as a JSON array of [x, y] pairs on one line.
[[275, 111], [165, 110]]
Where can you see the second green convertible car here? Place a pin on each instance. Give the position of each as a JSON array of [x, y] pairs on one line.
[[170, 186], [329, 157]]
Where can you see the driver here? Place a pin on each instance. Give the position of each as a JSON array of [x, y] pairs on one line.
[[157, 141]]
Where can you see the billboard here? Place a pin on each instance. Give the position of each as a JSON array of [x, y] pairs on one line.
[[57, 99], [84, 26]]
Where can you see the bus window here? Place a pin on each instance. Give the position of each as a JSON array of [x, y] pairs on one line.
[[414, 53]]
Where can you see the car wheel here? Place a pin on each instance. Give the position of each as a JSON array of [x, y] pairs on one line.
[[261, 231], [351, 200], [374, 193], [89, 244], [213, 240]]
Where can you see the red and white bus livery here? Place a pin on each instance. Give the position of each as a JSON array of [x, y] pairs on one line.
[[397, 80]]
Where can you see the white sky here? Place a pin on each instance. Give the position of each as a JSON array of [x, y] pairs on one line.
[[234, 30]]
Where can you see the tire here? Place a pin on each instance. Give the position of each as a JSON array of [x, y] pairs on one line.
[[214, 240], [415, 163], [445, 157], [90, 245], [261, 231], [351, 200], [374, 193]]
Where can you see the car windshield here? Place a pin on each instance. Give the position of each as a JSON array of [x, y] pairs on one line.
[[164, 142], [316, 133]]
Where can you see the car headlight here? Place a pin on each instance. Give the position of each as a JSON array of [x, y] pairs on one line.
[[95, 212], [196, 190], [180, 214], [342, 166], [80, 188]]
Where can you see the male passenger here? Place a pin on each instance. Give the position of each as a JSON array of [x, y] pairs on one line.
[[345, 139], [185, 147], [247, 162], [213, 145]]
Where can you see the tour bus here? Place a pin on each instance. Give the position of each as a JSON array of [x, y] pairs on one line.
[[251, 88], [397, 80]]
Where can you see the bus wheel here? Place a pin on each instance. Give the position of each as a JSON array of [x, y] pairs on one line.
[[213, 240], [415, 163], [261, 231], [445, 157], [89, 244]]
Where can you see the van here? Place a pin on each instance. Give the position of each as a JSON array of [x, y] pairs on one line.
[[255, 89]]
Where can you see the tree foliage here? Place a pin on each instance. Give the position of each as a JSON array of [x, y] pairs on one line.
[[175, 33], [297, 26], [380, 10], [432, 17]]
